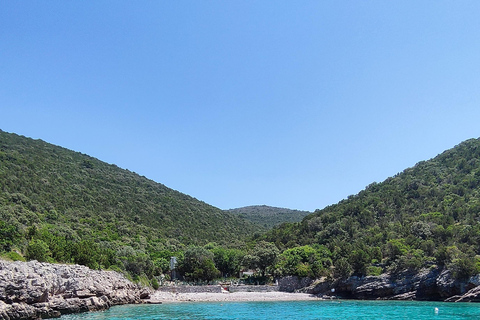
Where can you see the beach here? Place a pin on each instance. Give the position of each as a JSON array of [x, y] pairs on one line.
[[166, 297]]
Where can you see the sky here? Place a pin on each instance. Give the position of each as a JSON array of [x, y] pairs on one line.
[[294, 104]]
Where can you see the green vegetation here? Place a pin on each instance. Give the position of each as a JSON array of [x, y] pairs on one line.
[[58, 205], [268, 217], [304, 261], [428, 215], [64, 206], [261, 257], [197, 265]]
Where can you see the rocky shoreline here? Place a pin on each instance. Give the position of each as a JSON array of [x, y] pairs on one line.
[[34, 290], [427, 284]]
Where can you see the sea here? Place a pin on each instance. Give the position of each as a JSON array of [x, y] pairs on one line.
[[305, 310]]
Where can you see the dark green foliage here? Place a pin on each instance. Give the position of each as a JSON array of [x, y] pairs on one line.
[[228, 261], [305, 261], [343, 269], [38, 250], [155, 284], [139, 263], [268, 217], [262, 256], [410, 221], [162, 265], [197, 265], [359, 260], [8, 236], [44, 184], [64, 206]]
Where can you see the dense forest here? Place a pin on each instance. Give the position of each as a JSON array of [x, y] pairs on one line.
[[64, 206], [426, 216], [267, 216], [57, 205]]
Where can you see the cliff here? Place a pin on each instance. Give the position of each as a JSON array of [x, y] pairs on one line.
[[35, 290]]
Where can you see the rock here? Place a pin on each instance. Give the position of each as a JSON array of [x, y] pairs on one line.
[[145, 294], [18, 311], [293, 283], [34, 290], [412, 295], [472, 295], [374, 287], [85, 294], [426, 284], [320, 286]]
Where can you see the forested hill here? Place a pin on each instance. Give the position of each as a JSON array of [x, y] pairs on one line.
[[428, 214], [267, 216], [77, 197]]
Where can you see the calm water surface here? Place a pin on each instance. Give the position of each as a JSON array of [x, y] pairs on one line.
[[306, 310]]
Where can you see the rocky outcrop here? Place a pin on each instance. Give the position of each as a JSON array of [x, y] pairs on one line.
[[293, 283], [472, 295], [427, 284], [34, 290]]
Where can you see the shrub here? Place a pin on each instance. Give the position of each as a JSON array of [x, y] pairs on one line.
[[343, 269], [155, 284], [374, 271], [463, 268], [38, 250], [14, 256]]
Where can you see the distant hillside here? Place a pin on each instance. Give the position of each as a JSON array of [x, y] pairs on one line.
[[79, 197], [427, 215], [268, 217]]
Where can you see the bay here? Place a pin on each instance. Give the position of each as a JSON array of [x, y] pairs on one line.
[[305, 310]]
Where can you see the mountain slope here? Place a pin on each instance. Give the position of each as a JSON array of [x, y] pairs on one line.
[[80, 196], [426, 215], [269, 217]]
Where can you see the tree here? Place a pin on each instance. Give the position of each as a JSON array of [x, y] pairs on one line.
[[8, 235], [343, 269], [86, 253], [228, 261], [359, 260], [162, 265], [197, 264], [38, 250], [304, 261], [263, 255]]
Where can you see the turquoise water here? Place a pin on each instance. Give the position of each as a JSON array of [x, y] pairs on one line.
[[305, 310]]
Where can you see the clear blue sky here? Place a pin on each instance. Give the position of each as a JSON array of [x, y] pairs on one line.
[[294, 104]]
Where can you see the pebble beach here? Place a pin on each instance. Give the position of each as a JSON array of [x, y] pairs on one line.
[[166, 297]]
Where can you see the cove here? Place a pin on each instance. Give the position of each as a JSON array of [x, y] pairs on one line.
[[305, 310]]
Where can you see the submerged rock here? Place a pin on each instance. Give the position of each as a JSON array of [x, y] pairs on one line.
[[35, 290]]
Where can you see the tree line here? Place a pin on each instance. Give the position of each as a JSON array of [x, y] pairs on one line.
[[60, 206]]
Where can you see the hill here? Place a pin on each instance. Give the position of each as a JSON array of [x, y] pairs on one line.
[[268, 217], [62, 197], [425, 216], [64, 206]]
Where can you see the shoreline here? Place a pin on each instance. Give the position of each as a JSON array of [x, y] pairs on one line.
[[169, 297]]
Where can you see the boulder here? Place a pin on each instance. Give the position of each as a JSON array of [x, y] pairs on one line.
[[293, 283], [374, 287], [473, 295], [33, 290]]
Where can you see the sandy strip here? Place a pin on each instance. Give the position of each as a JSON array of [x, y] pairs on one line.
[[166, 297]]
